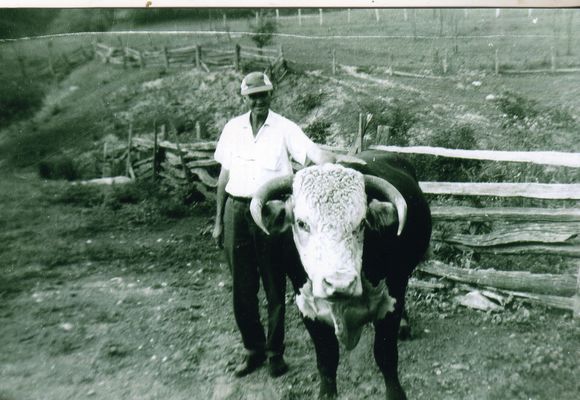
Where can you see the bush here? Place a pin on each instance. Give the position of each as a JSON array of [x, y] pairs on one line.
[[83, 20], [399, 118], [307, 102], [516, 107], [58, 168], [18, 99], [318, 131], [263, 31], [450, 169]]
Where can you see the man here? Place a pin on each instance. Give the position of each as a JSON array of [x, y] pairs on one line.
[[254, 148]]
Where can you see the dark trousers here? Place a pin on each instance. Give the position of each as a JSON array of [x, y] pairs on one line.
[[251, 256]]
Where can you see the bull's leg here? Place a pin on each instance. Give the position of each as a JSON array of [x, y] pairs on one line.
[[386, 351], [327, 356]]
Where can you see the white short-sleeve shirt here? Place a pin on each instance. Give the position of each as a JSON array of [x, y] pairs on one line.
[[254, 161]]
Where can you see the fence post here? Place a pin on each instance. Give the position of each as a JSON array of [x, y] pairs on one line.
[[414, 23], [529, 13], [237, 60], [155, 152], [577, 297], [552, 59], [277, 15], [496, 69], [320, 16], [299, 17], [50, 65], [141, 60], [106, 167], [377, 15], [569, 32], [333, 61], [129, 168], [497, 12], [165, 57], [198, 56], [348, 17], [123, 52], [197, 130], [383, 133], [257, 17], [225, 18], [405, 16], [445, 62]]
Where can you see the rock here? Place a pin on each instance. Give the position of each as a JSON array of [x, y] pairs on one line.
[[477, 301], [490, 97]]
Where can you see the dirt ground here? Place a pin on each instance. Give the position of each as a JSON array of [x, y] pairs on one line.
[[111, 302]]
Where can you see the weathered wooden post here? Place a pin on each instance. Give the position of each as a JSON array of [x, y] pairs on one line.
[[496, 69], [497, 12], [123, 52], [129, 166], [405, 16], [348, 16], [383, 133], [577, 297], [155, 152], [198, 56], [320, 16], [237, 59], [569, 32], [165, 57], [445, 65], [299, 17], [552, 59], [333, 61], [414, 24], [529, 13], [377, 15], [50, 65], [225, 18], [141, 60], [197, 130], [106, 165], [257, 17], [277, 15]]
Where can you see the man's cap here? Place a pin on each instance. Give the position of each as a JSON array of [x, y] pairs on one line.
[[256, 82]]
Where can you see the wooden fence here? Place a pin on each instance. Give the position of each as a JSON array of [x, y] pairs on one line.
[[199, 56], [516, 231]]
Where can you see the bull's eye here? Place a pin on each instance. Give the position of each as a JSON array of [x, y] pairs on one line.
[[302, 225]]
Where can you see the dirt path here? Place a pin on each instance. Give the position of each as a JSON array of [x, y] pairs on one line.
[[149, 316]]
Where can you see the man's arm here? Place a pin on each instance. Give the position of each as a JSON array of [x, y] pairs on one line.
[[220, 205], [319, 156]]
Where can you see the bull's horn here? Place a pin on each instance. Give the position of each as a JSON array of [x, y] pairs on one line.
[[272, 189], [381, 186]]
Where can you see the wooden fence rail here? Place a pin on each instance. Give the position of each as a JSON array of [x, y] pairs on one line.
[[515, 231]]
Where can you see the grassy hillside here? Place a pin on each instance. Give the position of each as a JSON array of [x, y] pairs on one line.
[[528, 113]]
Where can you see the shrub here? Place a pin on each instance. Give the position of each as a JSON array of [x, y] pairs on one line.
[[399, 118], [18, 99], [306, 102], [318, 131], [516, 107], [82, 20], [446, 168], [263, 31], [58, 168]]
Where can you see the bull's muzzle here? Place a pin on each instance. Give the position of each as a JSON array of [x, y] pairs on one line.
[[343, 284]]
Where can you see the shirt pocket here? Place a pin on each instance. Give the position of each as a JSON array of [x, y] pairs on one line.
[[269, 157]]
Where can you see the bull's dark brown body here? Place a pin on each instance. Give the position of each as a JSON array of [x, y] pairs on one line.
[[386, 256]]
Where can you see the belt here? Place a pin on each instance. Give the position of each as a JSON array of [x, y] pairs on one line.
[[241, 199]]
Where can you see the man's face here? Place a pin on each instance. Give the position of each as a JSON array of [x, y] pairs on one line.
[[260, 103]]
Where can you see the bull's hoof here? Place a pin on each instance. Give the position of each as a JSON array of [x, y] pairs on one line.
[[404, 330], [327, 389]]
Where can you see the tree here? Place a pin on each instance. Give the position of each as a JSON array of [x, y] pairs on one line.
[[263, 30]]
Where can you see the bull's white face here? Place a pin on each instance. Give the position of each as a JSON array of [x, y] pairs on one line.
[[329, 217]]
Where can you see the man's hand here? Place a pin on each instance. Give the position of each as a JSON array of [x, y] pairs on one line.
[[218, 233]]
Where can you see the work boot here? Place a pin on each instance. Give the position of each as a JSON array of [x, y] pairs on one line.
[[251, 363], [277, 366]]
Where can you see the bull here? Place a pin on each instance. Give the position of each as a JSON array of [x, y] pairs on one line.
[[359, 230]]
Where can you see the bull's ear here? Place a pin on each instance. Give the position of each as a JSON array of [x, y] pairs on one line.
[[277, 216], [381, 215]]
